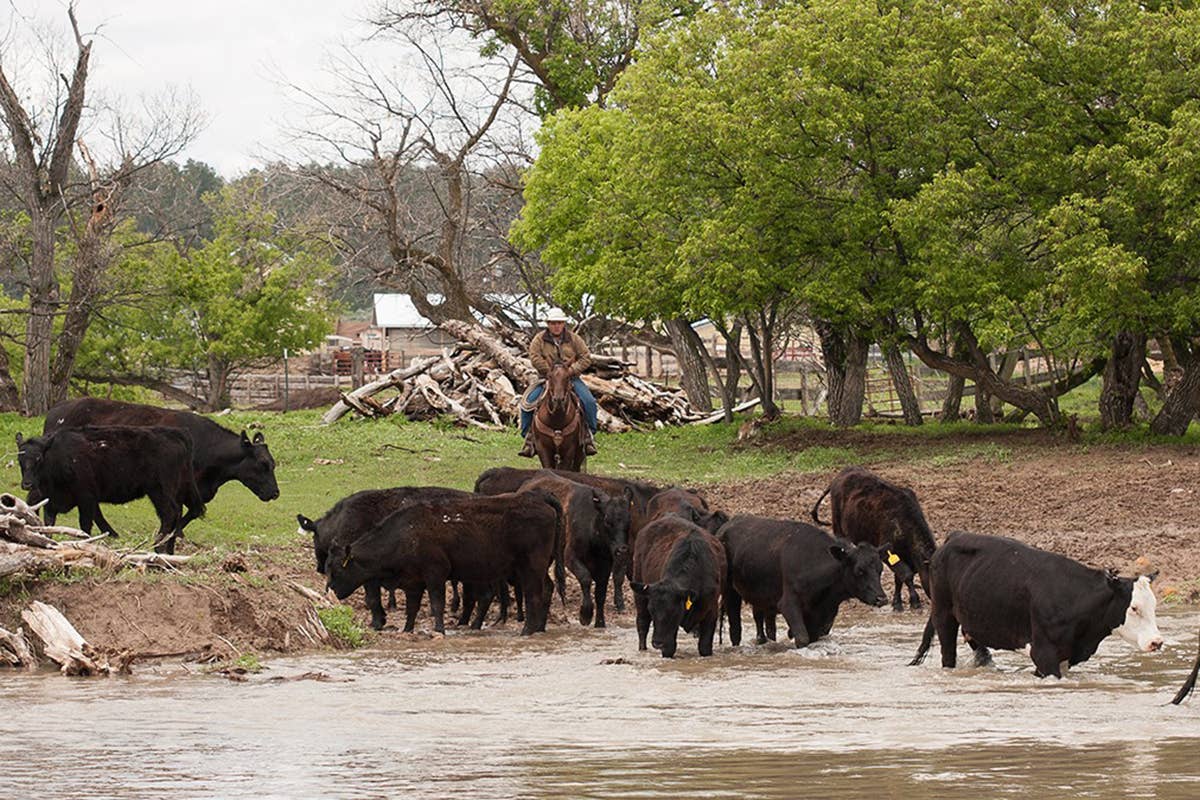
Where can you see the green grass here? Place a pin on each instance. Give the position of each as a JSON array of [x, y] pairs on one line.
[[339, 621], [370, 454]]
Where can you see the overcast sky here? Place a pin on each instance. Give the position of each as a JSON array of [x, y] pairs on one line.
[[231, 54]]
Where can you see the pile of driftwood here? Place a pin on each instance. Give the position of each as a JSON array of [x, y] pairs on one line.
[[61, 643], [481, 380]]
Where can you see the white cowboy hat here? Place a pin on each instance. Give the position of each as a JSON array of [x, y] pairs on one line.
[[555, 315]]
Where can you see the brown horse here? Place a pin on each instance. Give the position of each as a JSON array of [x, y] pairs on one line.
[[558, 423]]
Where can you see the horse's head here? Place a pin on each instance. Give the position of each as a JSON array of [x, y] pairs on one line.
[[558, 388]]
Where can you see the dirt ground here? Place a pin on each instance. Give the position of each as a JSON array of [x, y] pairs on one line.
[[1123, 507], [1131, 508]]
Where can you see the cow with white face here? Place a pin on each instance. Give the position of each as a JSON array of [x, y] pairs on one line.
[[1006, 595]]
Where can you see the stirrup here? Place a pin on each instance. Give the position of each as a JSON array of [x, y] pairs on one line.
[[527, 450]]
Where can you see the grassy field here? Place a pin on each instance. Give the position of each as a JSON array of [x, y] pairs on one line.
[[318, 464]]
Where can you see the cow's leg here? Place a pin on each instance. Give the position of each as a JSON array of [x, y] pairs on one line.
[[391, 599], [483, 602], [373, 594], [946, 626], [412, 604], [899, 573], [519, 599], [537, 601], [983, 656], [169, 513], [733, 610], [469, 595], [708, 629], [586, 606], [643, 618], [601, 590], [501, 589], [770, 624], [455, 600], [103, 523], [618, 582], [435, 585], [760, 634], [794, 614], [1045, 658], [87, 514]]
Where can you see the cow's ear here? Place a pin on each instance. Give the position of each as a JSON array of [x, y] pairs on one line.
[[1113, 578], [629, 494], [1151, 576], [638, 587], [838, 552], [596, 500], [245, 438], [306, 523], [259, 438]]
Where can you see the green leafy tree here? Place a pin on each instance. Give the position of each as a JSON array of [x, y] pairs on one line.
[[234, 302]]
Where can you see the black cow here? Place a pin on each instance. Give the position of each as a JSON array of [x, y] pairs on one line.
[[636, 493], [597, 529], [678, 578], [355, 515], [794, 568], [112, 464], [476, 540], [866, 508], [218, 455], [1006, 594]]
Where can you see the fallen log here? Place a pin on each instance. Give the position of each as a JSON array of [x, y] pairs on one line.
[[63, 645], [517, 368], [15, 650], [393, 378]]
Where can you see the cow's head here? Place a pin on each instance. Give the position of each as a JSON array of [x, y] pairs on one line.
[[669, 605], [1140, 628], [344, 572], [615, 518], [861, 565], [30, 453], [256, 470]]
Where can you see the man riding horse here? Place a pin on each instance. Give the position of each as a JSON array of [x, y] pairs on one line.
[[557, 345]]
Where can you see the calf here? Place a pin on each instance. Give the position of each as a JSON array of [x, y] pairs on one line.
[[218, 455], [1006, 595], [356, 514], [794, 568], [115, 464], [476, 540], [597, 528], [637, 495], [866, 508], [678, 577]]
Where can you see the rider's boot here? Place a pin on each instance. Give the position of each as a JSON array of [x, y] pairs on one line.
[[527, 448], [589, 444]]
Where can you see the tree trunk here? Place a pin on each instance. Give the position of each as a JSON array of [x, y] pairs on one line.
[[845, 356], [693, 375], [1182, 398], [903, 384], [1122, 376], [10, 396], [218, 385], [733, 369], [952, 405], [762, 366], [983, 407], [39, 327]]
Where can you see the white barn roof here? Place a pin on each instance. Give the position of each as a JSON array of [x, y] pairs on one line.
[[398, 311]]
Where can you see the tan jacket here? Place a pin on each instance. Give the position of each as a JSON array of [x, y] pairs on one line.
[[544, 352]]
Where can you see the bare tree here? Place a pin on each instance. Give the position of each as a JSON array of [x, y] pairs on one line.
[[40, 173]]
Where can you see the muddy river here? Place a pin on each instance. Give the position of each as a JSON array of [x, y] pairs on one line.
[[580, 713]]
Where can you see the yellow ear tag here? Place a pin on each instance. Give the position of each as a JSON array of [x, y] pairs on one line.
[[687, 604], [346, 563], [893, 559]]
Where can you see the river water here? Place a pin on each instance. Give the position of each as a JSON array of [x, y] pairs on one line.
[[580, 713]]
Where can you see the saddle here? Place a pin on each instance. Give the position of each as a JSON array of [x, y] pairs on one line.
[[559, 435]]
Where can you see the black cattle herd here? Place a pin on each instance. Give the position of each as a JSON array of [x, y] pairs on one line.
[[688, 565]]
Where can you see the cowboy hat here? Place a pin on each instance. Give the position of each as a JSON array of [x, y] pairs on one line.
[[555, 315]]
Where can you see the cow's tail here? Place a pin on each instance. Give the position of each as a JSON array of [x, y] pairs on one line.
[[816, 506], [926, 641], [721, 621], [195, 501], [560, 545], [1189, 684]]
